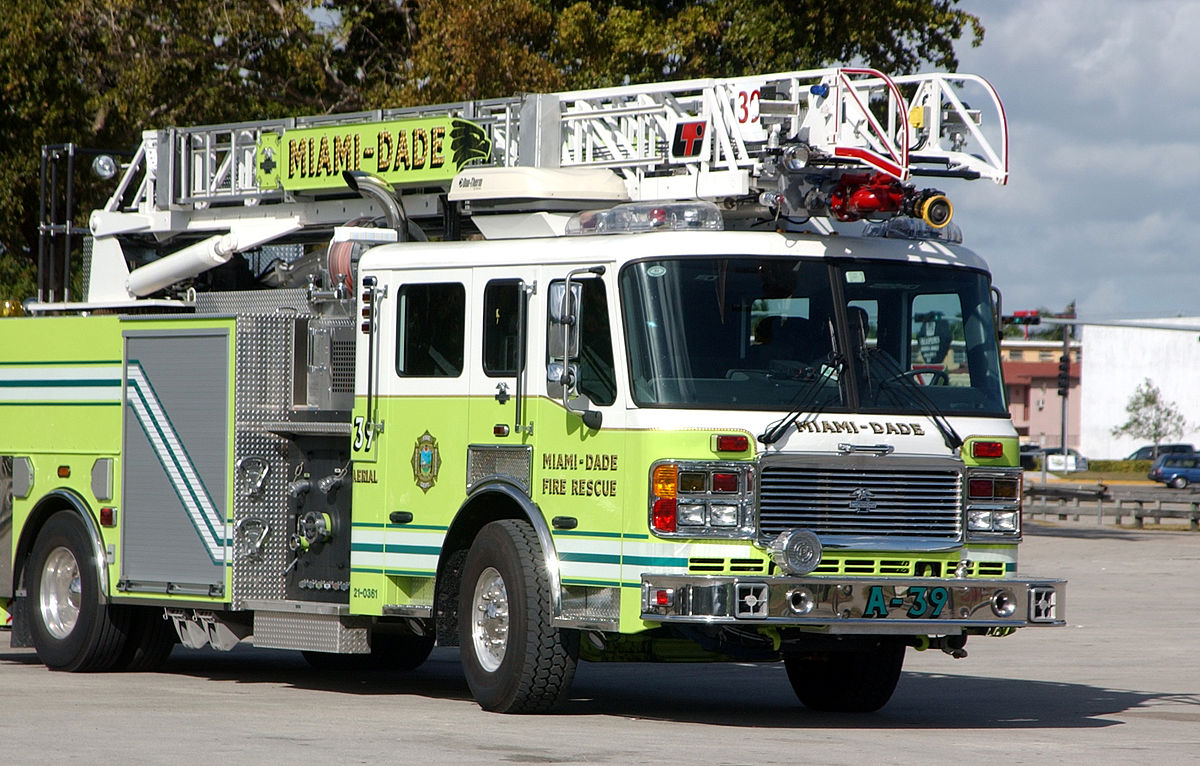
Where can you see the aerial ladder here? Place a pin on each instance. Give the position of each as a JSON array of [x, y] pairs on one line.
[[839, 144]]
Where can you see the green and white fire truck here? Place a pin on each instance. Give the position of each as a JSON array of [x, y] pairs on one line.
[[599, 375]]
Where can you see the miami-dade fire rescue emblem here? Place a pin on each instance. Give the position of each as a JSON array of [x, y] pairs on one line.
[[426, 461]]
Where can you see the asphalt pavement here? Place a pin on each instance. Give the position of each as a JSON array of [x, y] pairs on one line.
[[1119, 685]]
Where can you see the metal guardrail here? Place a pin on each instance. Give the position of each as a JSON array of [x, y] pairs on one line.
[[1139, 503]]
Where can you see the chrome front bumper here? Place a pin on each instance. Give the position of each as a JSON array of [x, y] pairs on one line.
[[847, 605]]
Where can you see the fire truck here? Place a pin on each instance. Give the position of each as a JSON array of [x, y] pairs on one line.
[[676, 372]]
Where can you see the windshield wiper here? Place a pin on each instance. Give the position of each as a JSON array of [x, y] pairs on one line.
[[804, 398], [919, 397]]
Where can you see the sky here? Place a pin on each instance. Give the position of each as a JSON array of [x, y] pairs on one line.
[[1103, 202]]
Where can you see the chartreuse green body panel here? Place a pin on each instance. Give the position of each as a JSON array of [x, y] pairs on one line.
[[72, 388], [600, 479]]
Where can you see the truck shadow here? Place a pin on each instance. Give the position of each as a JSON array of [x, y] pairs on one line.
[[737, 695]]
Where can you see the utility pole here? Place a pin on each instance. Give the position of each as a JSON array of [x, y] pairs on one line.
[[1064, 387]]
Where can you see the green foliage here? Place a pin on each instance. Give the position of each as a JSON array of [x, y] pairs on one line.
[[1041, 331], [1151, 417], [18, 279], [97, 73], [1138, 467]]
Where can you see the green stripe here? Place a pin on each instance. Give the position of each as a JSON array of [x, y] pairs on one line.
[[584, 533], [102, 403], [56, 383], [401, 572], [654, 561], [62, 362], [590, 558], [425, 550], [376, 525], [603, 583]]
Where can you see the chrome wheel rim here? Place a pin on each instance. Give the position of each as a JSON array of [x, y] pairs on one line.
[[61, 593], [489, 619]]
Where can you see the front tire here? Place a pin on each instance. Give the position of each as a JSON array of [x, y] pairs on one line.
[[515, 661], [857, 680], [72, 629]]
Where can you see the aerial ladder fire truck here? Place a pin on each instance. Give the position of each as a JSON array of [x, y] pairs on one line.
[[669, 372]]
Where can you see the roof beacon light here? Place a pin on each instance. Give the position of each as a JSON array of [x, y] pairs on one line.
[[694, 215]]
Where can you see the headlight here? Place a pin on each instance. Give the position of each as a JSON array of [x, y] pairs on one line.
[[993, 503], [702, 499], [979, 521], [691, 515], [723, 515], [1005, 521]]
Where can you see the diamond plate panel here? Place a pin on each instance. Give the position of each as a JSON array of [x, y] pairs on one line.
[[267, 357], [488, 461], [267, 302], [312, 632], [583, 602], [262, 520]]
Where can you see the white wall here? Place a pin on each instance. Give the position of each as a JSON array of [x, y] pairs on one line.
[[1115, 362]]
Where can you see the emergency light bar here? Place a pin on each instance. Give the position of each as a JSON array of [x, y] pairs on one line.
[[648, 216]]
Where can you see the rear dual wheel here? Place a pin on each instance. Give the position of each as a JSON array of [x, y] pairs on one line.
[[73, 629]]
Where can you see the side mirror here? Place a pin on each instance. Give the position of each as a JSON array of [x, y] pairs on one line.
[[563, 311]]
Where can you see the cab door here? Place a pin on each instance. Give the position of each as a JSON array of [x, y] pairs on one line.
[[580, 480], [501, 431], [410, 467]]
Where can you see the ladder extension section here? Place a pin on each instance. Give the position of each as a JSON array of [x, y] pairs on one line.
[[735, 132]]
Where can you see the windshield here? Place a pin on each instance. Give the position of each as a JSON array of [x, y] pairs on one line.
[[781, 333]]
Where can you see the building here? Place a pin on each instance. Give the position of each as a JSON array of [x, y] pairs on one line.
[[1121, 355], [1031, 376]]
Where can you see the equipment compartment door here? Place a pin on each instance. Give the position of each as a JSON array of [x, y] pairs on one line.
[[175, 464]]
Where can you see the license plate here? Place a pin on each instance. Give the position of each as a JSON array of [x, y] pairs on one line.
[[918, 602]]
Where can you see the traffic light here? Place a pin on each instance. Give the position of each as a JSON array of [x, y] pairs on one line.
[[1023, 317], [1064, 374]]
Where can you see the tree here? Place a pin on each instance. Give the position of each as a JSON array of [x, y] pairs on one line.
[[1042, 331], [97, 73], [1151, 417]]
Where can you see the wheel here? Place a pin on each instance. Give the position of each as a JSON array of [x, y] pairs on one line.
[[151, 639], [389, 651], [858, 680], [1179, 482], [72, 629], [515, 661]]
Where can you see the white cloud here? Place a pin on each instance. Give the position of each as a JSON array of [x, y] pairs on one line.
[[1103, 105]]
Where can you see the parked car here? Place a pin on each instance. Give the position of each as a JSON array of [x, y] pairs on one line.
[[1057, 461], [1176, 471], [1147, 452], [1030, 454]]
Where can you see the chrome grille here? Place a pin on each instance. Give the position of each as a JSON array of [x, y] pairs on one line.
[[861, 501]]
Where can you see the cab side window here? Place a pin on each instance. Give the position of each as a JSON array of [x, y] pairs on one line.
[[430, 332], [597, 379], [501, 314]]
